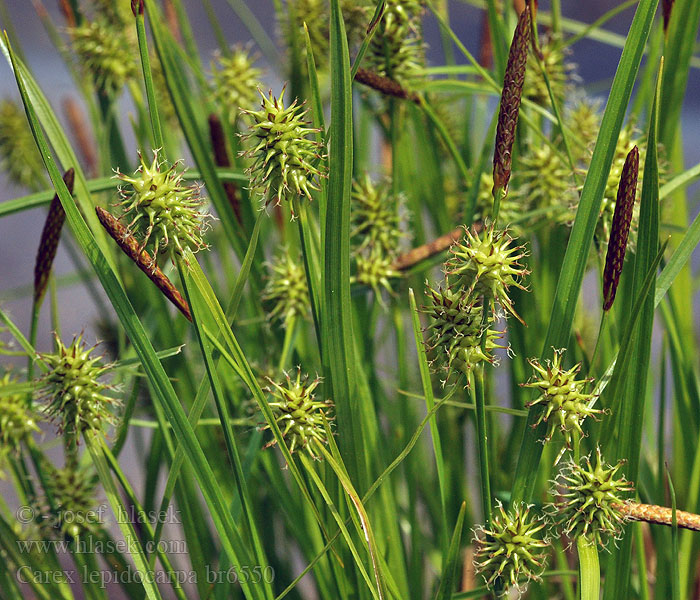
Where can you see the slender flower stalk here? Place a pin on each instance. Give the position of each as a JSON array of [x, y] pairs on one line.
[[50, 236], [619, 234], [130, 246], [510, 105]]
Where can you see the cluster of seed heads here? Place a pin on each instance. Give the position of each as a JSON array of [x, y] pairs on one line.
[[69, 507], [511, 549], [559, 73], [459, 336], [19, 158], [105, 54], [316, 15], [543, 185], [376, 233], [235, 80], [563, 402], [487, 265], [397, 50], [286, 160], [72, 388], [300, 417], [588, 497], [160, 211], [16, 420], [286, 290]]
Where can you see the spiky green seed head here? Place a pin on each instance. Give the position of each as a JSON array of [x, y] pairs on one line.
[[486, 264], [72, 491], [286, 290], [588, 499], [16, 421], [104, 53], [563, 400], [583, 119], [543, 184], [558, 71], [298, 414], [283, 153], [19, 157], [376, 217], [162, 213], [511, 549], [375, 269], [455, 331], [235, 80], [315, 13], [397, 50], [75, 396]]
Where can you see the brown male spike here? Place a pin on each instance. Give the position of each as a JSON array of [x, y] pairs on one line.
[[510, 102], [131, 247], [49, 240], [626, 195]]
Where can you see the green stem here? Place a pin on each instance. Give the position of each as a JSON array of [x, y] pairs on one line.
[[148, 81], [588, 569], [476, 385]]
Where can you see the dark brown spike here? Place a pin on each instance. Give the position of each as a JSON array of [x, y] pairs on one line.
[[50, 236], [143, 260], [137, 7], [666, 8], [386, 86], [485, 43], [221, 158], [510, 102], [619, 232]]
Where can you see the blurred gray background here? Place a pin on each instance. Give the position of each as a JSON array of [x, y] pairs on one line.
[[19, 234]]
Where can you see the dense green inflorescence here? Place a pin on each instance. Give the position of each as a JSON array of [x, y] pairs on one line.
[[235, 81], [588, 497], [486, 264], [456, 330], [511, 549], [16, 420], [396, 50], [298, 414], [104, 53], [162, 213], [19, 158], [563, 400], [286, 162], [286, 290], [75, 396]]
